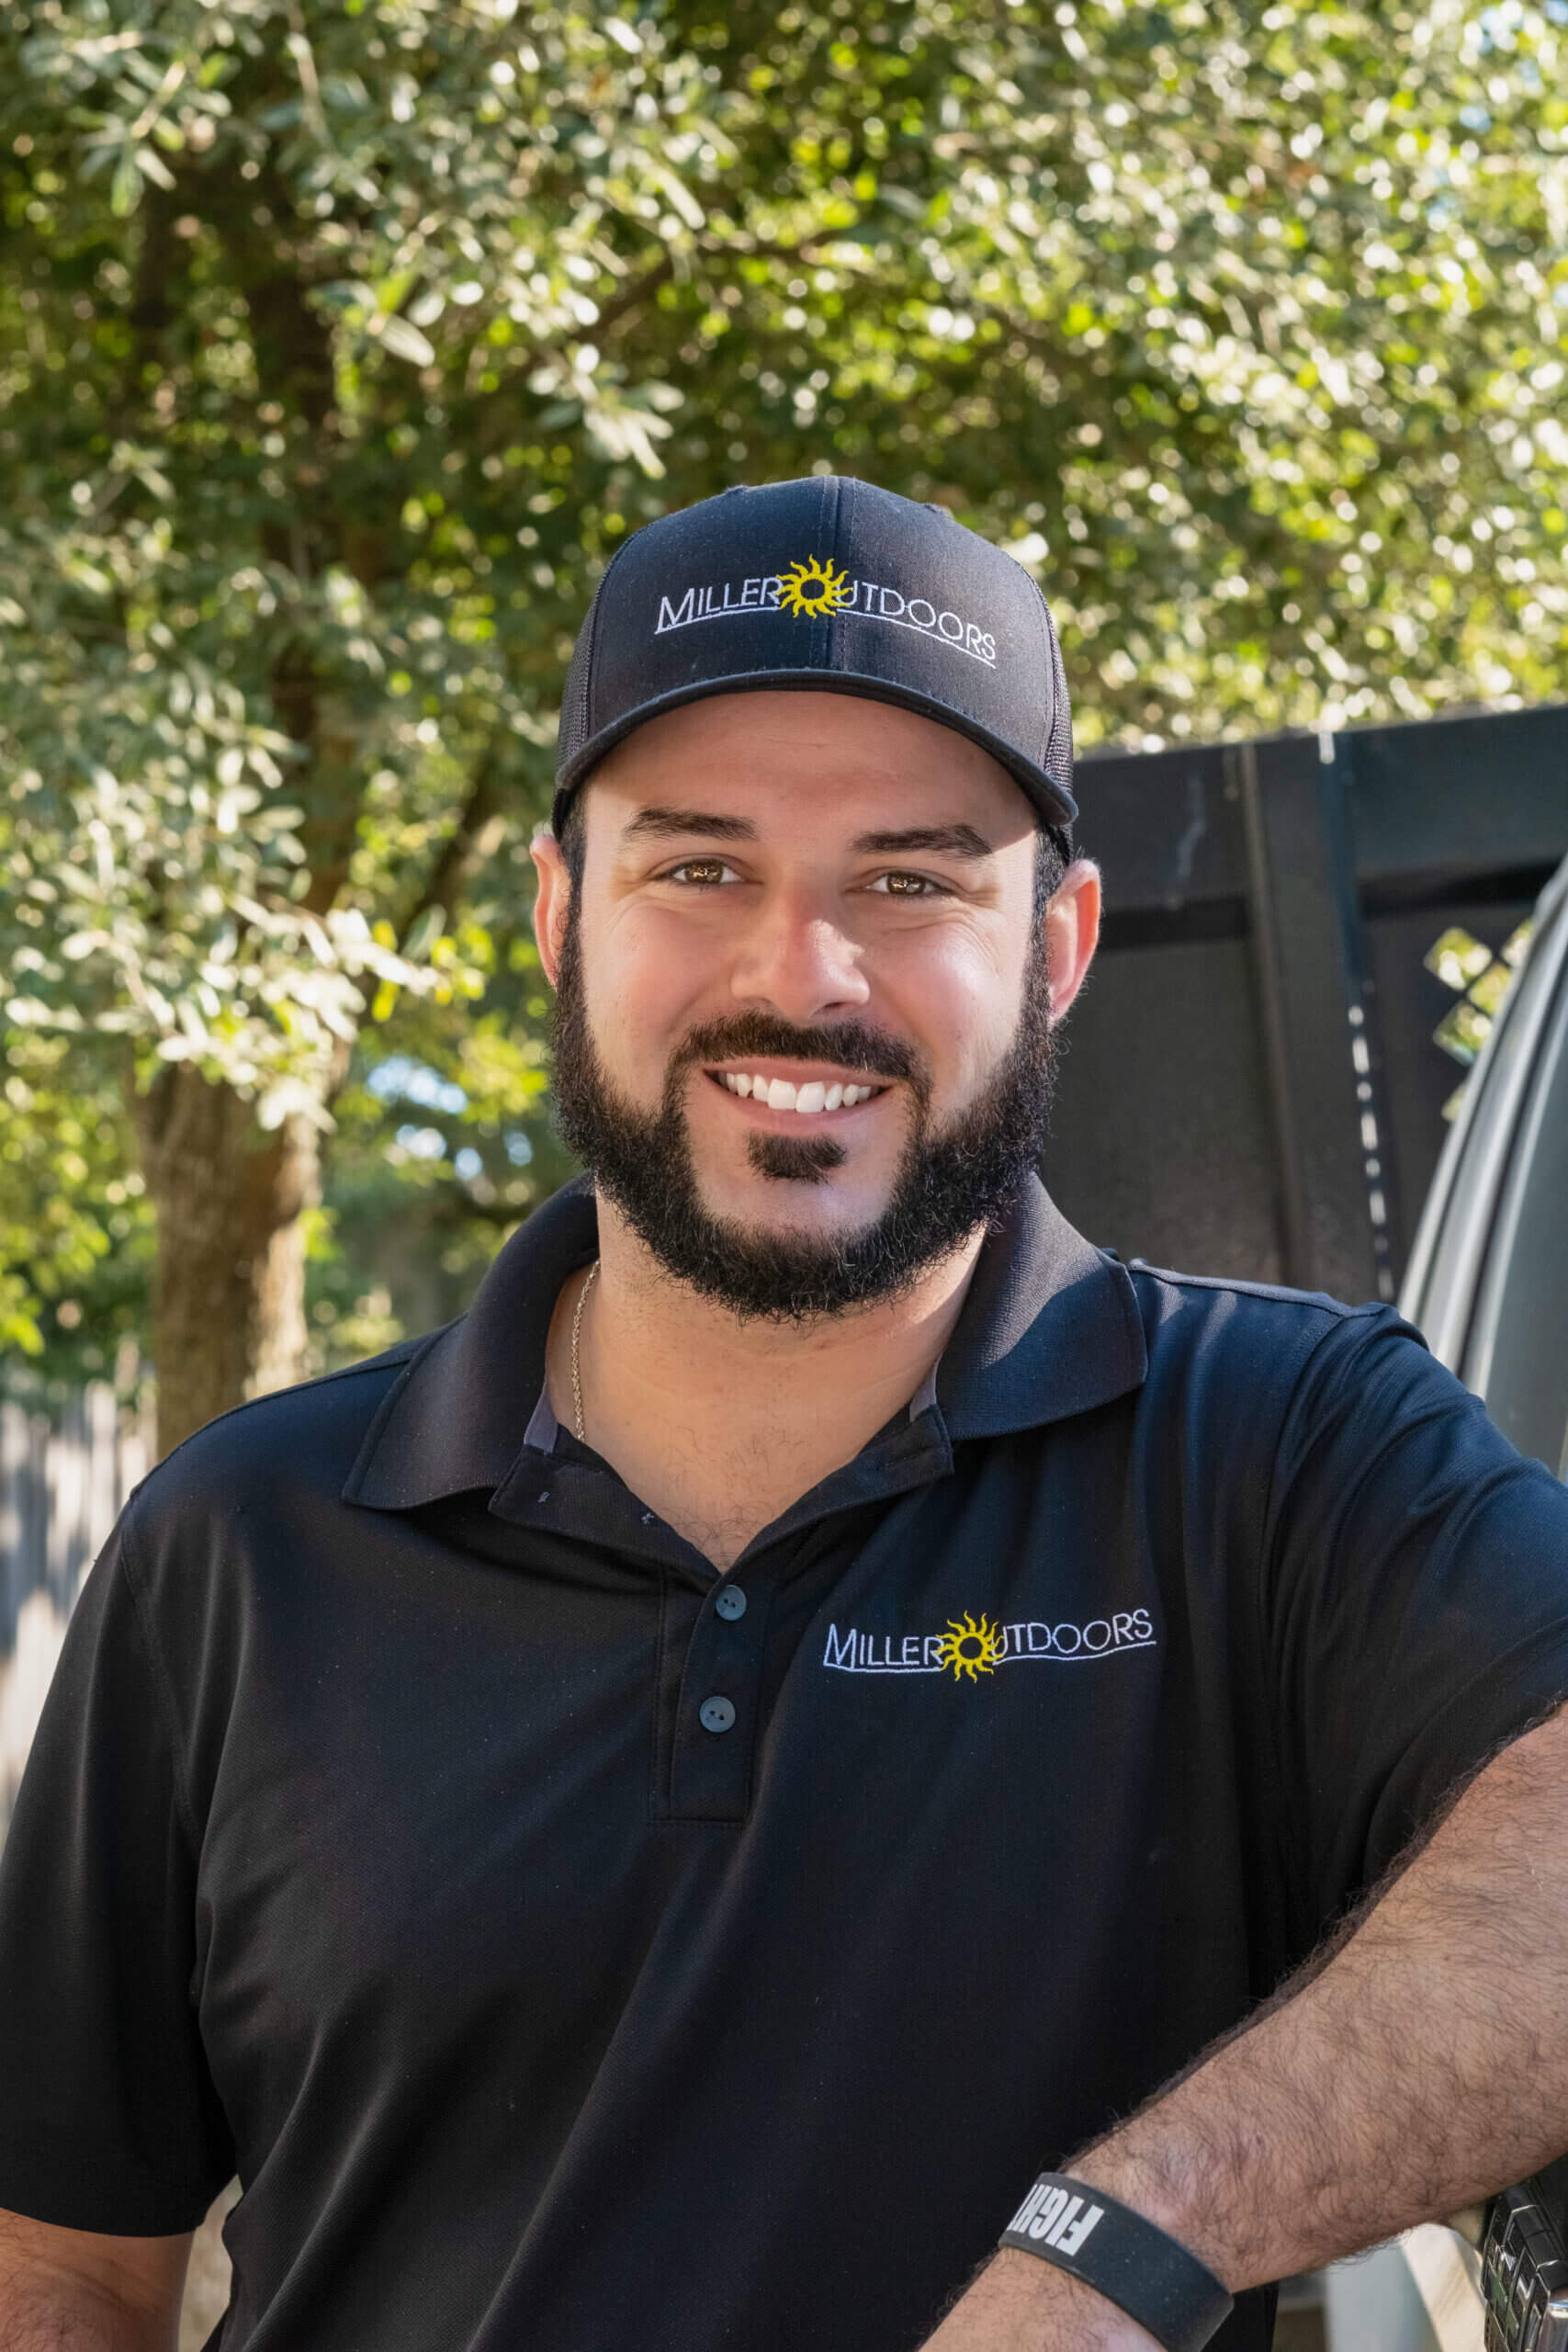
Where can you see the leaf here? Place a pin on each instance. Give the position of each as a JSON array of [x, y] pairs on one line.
[[346, 294], [636, 431], [681, 200], [423, 933], [407, 343], [90, 576], [125, 188]]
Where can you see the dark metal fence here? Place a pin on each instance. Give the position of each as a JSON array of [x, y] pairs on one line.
[[1255, 1082]]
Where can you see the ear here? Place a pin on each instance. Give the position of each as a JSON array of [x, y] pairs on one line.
[[1072, 930], [553, 900]]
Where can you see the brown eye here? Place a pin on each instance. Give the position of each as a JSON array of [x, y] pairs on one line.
[[905, 886], [701, 871]]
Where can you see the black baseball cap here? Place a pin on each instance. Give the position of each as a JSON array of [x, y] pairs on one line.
[[830, 583]]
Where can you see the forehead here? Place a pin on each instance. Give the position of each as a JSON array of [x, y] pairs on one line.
[[830, 762]]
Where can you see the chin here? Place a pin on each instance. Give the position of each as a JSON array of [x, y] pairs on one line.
[[819, 1205]]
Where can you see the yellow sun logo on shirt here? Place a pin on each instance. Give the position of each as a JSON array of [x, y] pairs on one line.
[[812, 587], [970, 1647]]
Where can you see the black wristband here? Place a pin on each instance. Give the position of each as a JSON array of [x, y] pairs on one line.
[[1124, 2257]]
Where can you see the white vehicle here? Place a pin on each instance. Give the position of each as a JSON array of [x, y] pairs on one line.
[[1488, 1287], [1488, 1277]]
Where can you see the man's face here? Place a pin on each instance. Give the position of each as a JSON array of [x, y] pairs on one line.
[[803, 1022]]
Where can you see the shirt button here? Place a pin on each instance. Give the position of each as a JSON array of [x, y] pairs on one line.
[[715, 1714], [731, 1603]]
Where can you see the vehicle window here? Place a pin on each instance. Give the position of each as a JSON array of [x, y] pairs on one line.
[[1519, 1343], [1472, 1176]]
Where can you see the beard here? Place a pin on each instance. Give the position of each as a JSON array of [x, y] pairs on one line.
[[951, 1180]]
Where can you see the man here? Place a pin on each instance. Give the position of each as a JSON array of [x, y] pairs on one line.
[[646, 1819]]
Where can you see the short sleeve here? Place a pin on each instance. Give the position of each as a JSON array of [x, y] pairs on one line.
[[1414, 1602], [108, 2120]]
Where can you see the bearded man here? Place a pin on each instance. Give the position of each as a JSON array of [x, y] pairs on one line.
[[826, 1711]]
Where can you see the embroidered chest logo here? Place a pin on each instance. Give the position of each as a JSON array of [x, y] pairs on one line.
[[970, 1648], [974, 1647]]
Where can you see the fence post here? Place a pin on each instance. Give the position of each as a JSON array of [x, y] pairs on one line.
[[1300, 884]]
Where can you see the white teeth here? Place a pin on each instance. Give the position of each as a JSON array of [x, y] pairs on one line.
[[807, 1100]]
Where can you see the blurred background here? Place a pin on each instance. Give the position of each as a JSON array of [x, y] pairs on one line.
[[341, 344]]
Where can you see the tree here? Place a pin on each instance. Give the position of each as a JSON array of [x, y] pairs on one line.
[[340, 344]]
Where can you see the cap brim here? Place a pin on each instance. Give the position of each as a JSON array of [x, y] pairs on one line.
[[1051, 802]]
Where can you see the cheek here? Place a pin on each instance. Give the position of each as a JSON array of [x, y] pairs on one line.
[[643, 980], [963, 1003]]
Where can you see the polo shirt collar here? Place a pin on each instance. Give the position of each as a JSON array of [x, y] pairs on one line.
[[457, 1415], [1050, 1328]]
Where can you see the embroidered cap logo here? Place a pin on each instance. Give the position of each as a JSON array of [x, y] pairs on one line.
[[812, 587]]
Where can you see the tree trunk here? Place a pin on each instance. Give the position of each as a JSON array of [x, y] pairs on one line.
[[229, 1306]]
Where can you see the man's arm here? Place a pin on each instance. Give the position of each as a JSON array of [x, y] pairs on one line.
[[73, 2290], [1417, 2066]]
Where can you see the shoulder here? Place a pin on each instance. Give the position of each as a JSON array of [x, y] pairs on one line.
[[295, 1446], [1187, 1311], [1257, 1354]]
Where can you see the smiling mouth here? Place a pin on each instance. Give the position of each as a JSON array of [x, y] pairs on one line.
[[811, 1100]]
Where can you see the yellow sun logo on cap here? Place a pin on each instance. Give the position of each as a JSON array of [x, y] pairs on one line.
[[971, 1648], [812, 587]]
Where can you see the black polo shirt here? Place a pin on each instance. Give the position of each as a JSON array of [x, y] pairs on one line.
[[383, 1841]]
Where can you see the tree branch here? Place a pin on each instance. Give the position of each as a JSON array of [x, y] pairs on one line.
[[472, 839]]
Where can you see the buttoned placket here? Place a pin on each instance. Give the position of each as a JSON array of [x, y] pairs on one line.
[[719, 1701], [713, 1629]]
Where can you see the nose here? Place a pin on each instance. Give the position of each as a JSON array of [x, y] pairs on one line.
[[799, 961]]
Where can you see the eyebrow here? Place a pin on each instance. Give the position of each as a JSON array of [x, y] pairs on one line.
[[956, 840], [690, 821]]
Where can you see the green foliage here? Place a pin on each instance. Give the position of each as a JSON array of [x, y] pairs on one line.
[[341, 344], [75, 1227]]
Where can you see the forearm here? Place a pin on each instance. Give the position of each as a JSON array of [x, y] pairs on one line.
[[42, 2312], [70, 2290], [1422, 2064], [1425, 2065]]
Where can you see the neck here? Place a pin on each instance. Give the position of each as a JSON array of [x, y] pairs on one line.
[[720, 1423]]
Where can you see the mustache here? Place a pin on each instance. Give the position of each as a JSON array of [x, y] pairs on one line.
[[851, 1045]]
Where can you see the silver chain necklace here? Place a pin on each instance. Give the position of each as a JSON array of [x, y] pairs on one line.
[[576, 1348]]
